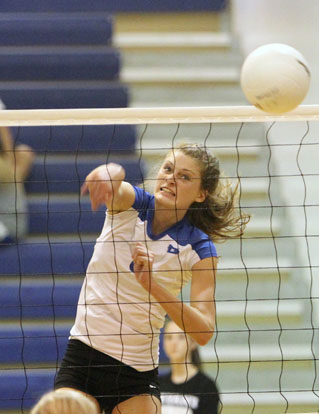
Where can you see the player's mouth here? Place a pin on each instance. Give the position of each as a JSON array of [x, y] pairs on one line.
[[167, 190]]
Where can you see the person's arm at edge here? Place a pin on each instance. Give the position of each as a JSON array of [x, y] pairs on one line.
[[7, 144]]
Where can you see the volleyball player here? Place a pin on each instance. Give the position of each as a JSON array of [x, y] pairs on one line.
[[150, 246], [186, 388]]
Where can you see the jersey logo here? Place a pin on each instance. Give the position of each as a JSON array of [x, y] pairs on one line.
[[132, 267], [172, 249]]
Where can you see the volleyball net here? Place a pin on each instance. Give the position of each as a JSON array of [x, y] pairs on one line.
[[264, 354]]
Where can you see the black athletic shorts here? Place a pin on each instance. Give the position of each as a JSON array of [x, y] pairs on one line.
[[105, 378]]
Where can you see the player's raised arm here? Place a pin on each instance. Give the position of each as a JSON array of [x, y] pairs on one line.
[[106, 185]]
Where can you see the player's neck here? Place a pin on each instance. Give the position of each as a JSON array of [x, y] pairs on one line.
[[183, 372], [163, 220]]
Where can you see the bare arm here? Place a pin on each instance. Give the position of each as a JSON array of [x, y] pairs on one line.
[[106, 185], [6, 156], [6, 144], [198, 318]]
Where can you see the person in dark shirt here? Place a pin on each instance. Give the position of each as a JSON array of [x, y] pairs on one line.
[[186, 389]]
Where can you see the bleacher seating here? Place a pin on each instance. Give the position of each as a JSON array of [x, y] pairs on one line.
[[88, 138], [70, 175], [53, 30], [40, 95], [38, 303], [44, 258], [42, 276], [111, 6], [20, 391], [71, 64], [41, 344], [63, 65]]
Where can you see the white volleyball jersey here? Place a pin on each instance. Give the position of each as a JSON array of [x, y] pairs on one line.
[[115, 315]]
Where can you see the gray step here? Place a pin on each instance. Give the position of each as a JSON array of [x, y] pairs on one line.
[[270, 402], [177, 75], [155, 148], [259, 312], [215, 135], [164, 57], [248, 249], [253, 278], [282, 338], [170, 39], [183, 95], [268, 353]]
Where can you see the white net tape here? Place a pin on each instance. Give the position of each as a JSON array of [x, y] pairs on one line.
[[159, 115]]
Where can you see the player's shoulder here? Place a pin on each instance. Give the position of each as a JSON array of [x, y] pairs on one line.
[[191, 234], [201, 242], [143, 198]]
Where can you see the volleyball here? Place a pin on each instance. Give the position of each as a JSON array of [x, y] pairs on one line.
[[275, 78]]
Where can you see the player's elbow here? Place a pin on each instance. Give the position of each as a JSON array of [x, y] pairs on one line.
[[204, 337]]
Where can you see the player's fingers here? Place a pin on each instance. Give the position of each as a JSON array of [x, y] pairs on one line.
[[143, 260], [142, 253], [136, 250], [142, 249]]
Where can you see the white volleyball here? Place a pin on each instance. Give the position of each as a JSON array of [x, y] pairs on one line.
[[275, 78]]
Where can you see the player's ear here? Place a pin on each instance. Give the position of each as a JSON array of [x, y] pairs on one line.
[[202, 194]]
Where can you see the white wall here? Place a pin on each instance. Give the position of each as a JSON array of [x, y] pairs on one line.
[[295, 22]]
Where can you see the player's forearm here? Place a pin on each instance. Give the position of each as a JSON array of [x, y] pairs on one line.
[[122, 195], [188, 318], [106, 186]]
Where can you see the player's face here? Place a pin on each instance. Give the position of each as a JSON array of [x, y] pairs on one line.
[[177, 345], [178, 182]]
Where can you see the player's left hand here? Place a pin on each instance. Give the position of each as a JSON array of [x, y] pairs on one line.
[[143, 260]]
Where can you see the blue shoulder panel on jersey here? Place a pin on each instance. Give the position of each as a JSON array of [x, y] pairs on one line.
[[144, 202], [182, 232]]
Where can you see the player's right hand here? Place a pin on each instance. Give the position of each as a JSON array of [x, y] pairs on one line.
[[102, 184]]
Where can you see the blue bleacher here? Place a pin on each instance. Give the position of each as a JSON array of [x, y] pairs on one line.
[[69, 176], [54, 30], [63, 95], [87, 138], [36, 343], [70, 217], [41, 276], [21, 390], [56, 64], [44, 258], [47, 299], [112, 6], [54, 75]]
